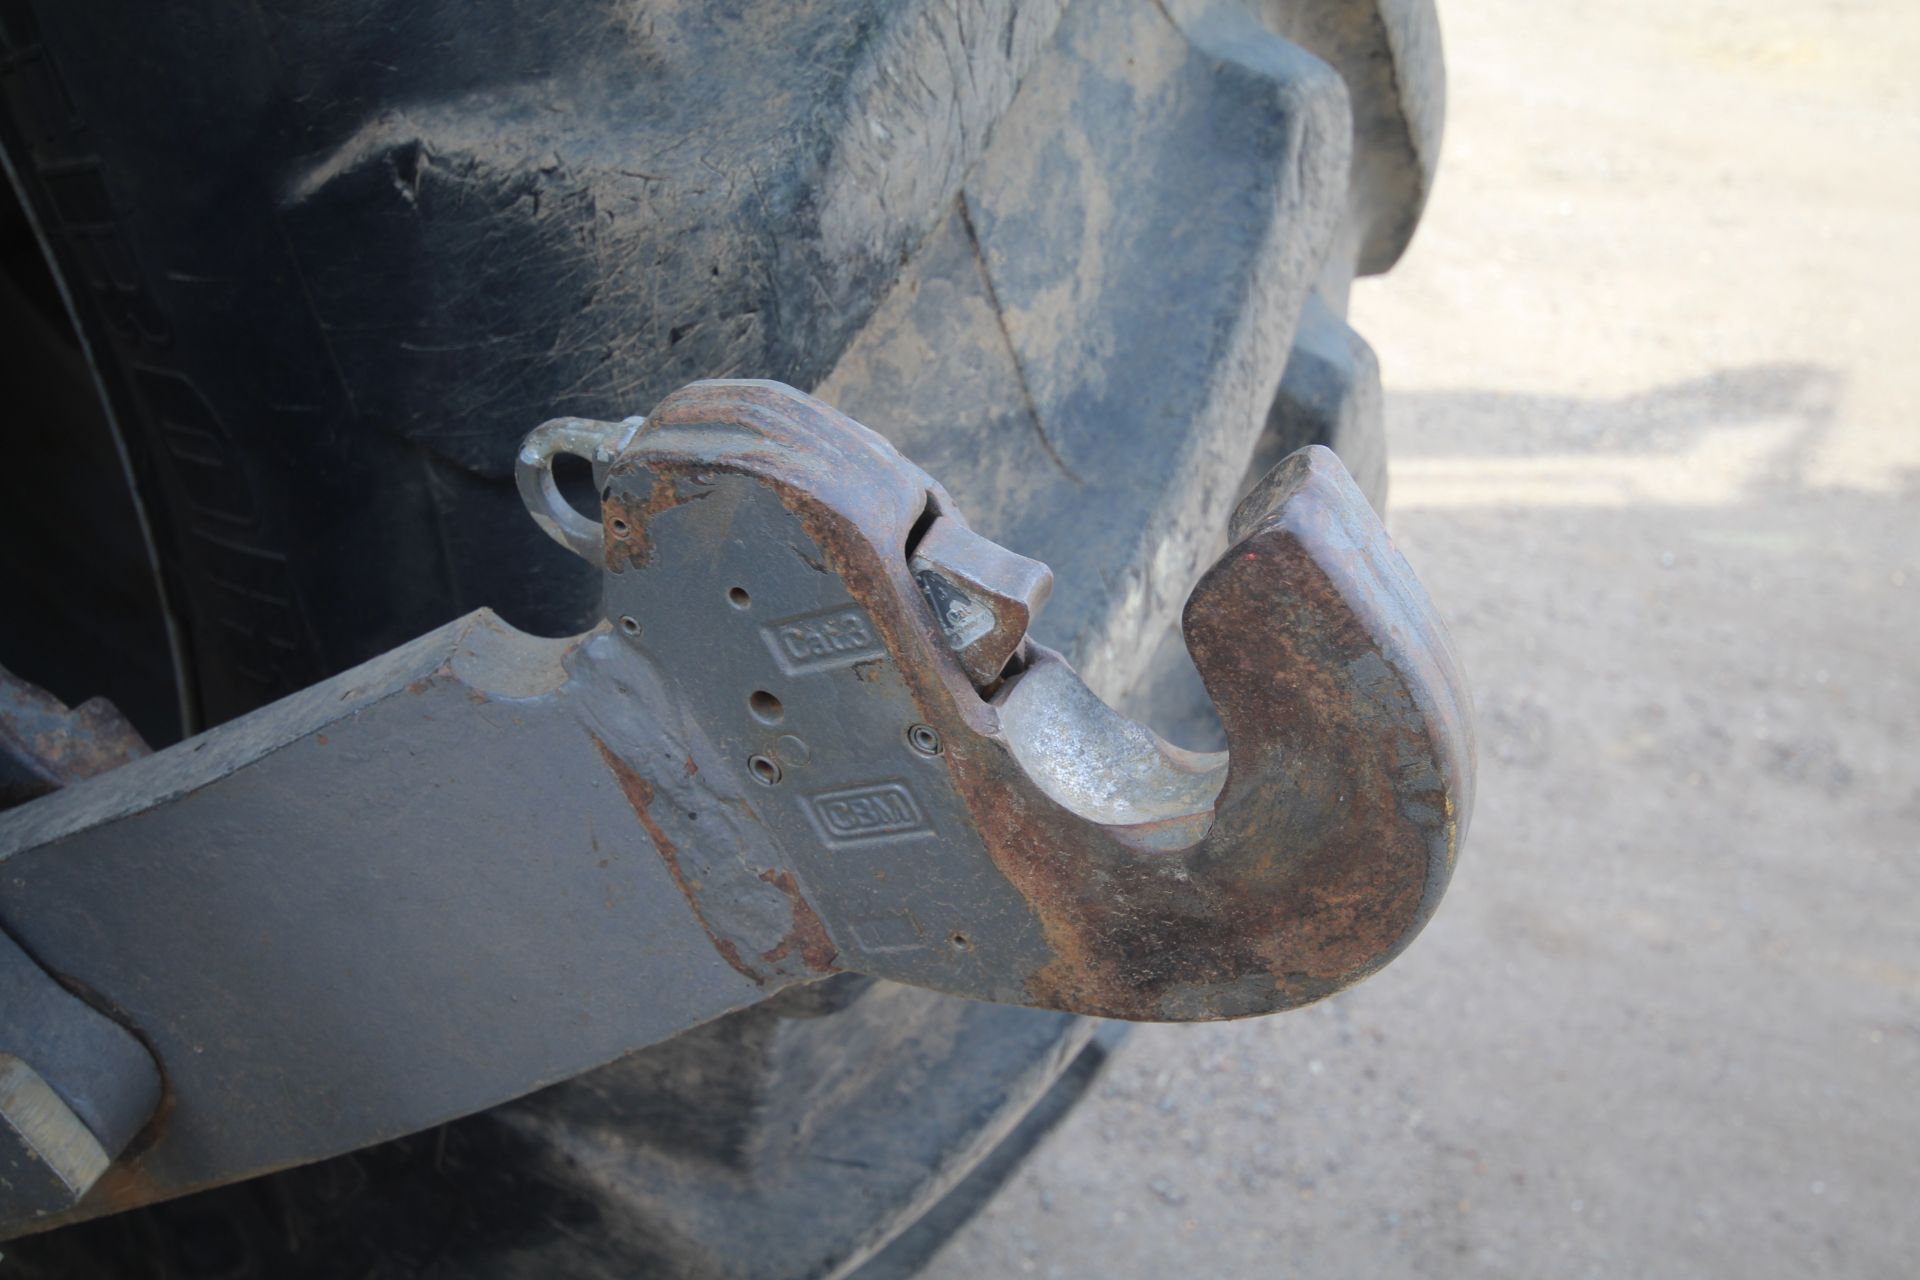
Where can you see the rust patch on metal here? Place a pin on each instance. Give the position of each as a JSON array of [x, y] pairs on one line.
[[639, 794], [125, 1185], [1335, 832], [53, 746], [808, 936], [633, 548]]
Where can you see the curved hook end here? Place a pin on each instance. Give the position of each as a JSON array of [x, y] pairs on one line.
[[1350, 740]]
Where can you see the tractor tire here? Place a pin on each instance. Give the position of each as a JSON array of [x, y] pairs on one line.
[[304, 274]]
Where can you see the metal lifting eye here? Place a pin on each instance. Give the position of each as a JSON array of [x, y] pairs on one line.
[[596, 442]]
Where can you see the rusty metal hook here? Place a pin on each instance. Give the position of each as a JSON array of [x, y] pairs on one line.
[[814, 737], [1082, 864]]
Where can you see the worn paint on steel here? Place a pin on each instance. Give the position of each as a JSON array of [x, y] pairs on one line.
[[44, 745]]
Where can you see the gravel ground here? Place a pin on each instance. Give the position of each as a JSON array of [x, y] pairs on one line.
[[1652, 379]]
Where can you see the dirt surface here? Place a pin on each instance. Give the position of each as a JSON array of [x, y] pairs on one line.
[[1652, 380]]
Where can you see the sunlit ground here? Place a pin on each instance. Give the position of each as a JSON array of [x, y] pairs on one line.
[[1652, 379]]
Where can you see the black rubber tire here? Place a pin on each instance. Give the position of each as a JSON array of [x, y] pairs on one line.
[[328, 264]]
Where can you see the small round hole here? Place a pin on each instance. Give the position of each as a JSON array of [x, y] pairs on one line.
[[620, 527], [765, 707], [924, 739], [764, 770], [630, 624], [739, 598], [961, 942]]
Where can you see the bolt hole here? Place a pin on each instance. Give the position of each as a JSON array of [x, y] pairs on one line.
[[620, 527], [924, 739], [765, 707], [630, 624], [961, 942], [764, 770], [738, 597]]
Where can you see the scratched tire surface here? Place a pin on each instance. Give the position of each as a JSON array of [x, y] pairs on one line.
[[1087, 263]]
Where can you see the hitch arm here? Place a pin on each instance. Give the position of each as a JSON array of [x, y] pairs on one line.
[[810, 737]]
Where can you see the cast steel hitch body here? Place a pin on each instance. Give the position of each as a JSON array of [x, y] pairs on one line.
[[811, 736]]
